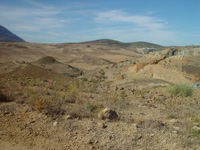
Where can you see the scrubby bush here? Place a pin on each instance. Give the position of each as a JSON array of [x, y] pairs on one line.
[[55, 108], [78, 111], [41, 104], [73, 93], [94, 107], [49, 106], [180, 89]]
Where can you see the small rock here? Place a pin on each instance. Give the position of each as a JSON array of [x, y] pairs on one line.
[[110, 137], [152, 135], [28, 122], [175, 132], [196, 128], [28, 109], [115, 88], [173, 121], [68, 117], [135, 126], [176, 128], [40, 115], [90, 142], [138, 137], [55, 123], [107, 113], [104, 126], [5, 113]]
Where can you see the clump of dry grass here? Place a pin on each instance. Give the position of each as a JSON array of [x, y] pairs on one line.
[[78, 111], [55, 108], [94, 107], [40, 104]]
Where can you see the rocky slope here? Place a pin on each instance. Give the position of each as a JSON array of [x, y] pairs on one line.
[[44, 109]]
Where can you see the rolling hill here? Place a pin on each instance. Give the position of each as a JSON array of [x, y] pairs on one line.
[[141, 47]]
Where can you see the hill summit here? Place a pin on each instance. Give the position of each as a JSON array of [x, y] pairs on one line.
[[7, 36]]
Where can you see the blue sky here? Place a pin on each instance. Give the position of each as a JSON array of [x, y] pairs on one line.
[[165, 22]]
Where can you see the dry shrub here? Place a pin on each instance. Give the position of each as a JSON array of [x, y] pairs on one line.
[[50, 106], [94, 107], [73, 93], [78, 111], [41, 104], [55, 108], [116, 100]]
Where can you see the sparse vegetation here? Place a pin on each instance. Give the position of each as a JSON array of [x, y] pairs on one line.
[[55, 108], [73, 93], [183, 90], [94, 107], [43, 102], [197, 120], [78, 111], [196, 132]]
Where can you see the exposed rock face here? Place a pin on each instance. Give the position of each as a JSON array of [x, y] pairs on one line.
[[184, 52], [107, 113], [196, 84]]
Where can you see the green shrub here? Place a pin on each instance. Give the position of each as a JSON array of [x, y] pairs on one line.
[[183, 90], [196, 133], [196, 120]]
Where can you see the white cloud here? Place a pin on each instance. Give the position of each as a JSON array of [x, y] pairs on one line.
[[151, 12], [40, 5], [119, 16], [31, 19], [46, 23]]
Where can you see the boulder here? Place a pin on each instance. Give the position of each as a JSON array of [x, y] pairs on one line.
[[107, 113]]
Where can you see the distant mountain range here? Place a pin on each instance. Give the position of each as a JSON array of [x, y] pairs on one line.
[[7, 36]]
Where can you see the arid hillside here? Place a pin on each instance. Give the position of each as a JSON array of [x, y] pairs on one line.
[[80, 55], [93, 95]]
